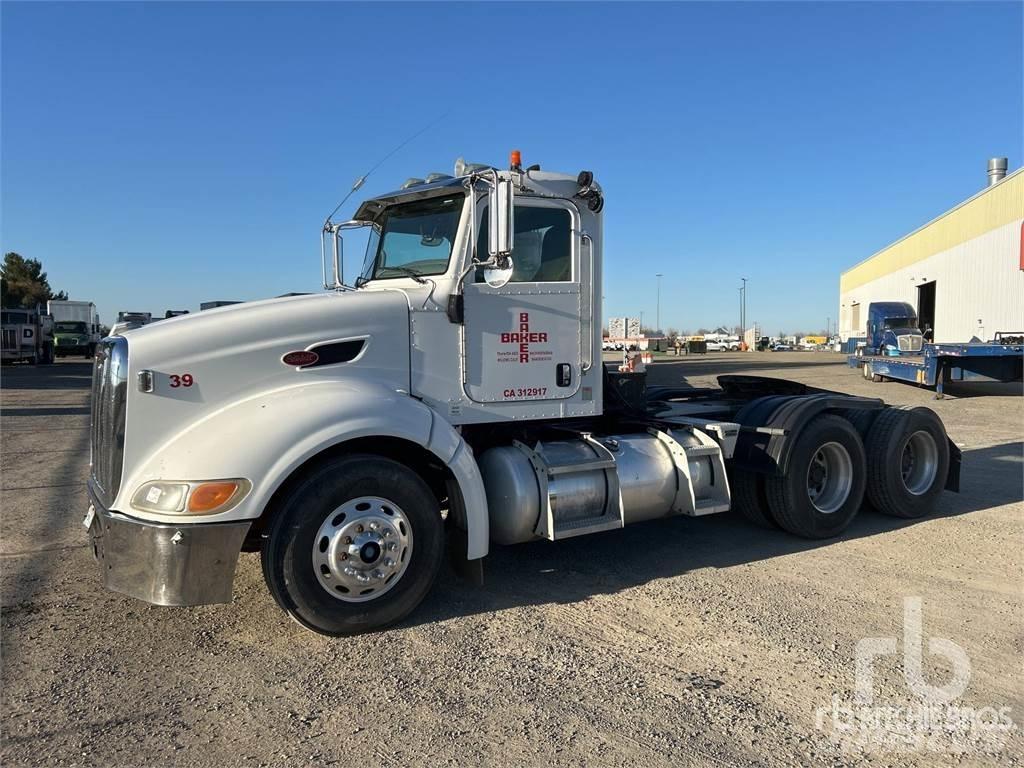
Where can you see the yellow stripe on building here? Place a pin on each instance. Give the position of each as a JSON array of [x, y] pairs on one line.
[[992, 207]]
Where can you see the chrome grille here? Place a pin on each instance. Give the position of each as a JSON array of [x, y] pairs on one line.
[[109, 393], [10, 338], [909, 342]]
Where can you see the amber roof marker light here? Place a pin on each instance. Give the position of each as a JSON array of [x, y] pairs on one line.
[[515, 159]]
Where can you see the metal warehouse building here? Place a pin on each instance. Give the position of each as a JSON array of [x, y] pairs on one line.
[[964, 271]]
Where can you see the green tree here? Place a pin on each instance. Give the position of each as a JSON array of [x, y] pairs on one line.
[[23, 282]]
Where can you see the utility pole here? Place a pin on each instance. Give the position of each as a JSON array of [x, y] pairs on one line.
[[658, 315]]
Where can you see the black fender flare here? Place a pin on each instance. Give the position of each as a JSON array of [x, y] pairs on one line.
[[771, 425]]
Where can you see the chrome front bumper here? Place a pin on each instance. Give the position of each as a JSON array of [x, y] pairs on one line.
[[163, 564]]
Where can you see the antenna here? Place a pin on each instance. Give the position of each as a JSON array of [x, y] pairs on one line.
[[362, 179]]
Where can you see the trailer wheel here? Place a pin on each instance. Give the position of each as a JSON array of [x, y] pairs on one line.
[[355, 547], [823, 487], [908, 460], [748, 497]]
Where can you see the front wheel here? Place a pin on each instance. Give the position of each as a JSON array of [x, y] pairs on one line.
[[823, 487], [355, 547]]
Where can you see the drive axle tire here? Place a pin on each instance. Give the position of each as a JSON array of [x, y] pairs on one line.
[[823, 487], [748, 497], [355, 546], [862, 419], [908, 460]]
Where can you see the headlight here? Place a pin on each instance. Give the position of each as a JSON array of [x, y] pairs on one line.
[[205, 497]]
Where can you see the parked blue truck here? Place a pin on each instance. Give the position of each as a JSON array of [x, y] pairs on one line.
[[896, 348]]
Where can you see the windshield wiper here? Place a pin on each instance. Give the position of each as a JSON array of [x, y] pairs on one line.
[[407, 271]]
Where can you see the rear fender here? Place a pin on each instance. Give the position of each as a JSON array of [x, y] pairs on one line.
[[770, 426]]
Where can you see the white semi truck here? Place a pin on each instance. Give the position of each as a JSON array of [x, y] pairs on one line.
[[453, 397]]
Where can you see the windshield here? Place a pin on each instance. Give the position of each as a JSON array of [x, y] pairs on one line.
[[414, 239], [900, 322], [70, 328]]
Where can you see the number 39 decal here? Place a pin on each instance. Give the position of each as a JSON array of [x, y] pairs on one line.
[[184, 380]]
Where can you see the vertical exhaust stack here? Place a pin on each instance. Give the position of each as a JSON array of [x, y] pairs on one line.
[[996, 170]]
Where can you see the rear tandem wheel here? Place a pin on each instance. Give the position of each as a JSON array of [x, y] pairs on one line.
[[908, 461], [823, 487]]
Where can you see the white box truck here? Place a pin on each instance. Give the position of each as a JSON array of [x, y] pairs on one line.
[[452, 397], [76, 327]]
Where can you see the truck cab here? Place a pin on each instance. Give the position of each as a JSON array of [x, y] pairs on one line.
[[893, 329], [449, 397], [27, 336]]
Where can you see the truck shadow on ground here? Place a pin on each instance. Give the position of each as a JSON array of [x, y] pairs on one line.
[[975, 389], [63, 375], [573, 570], [67, 410]]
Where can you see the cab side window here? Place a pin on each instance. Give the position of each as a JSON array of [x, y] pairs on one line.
[[542, 248]]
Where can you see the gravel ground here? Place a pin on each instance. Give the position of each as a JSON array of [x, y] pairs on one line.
[[680, 642]]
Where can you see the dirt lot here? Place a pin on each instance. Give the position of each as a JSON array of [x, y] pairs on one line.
[[681, 642]]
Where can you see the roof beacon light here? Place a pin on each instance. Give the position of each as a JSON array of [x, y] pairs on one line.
[[515, 160]]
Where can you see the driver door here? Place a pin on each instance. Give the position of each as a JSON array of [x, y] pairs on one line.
[[523, 340]]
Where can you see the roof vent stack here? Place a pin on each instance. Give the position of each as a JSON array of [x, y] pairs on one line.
[[996, 170]]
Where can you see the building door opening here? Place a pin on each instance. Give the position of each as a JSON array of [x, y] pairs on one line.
[[926, 306]]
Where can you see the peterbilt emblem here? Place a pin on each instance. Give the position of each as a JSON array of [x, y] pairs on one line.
[[301, 358]]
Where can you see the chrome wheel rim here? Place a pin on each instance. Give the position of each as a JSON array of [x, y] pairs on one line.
[[919, 463], [362, 549], [829, 478]]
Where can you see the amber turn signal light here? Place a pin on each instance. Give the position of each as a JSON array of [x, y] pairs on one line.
[[207, 497]]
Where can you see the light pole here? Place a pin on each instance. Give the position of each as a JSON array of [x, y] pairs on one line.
[[658, 315], [743, 307]]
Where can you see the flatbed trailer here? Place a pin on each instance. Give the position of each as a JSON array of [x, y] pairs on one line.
[[937, 364]]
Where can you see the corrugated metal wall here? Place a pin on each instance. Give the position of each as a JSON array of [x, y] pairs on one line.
[[979, 287], [991, 208]]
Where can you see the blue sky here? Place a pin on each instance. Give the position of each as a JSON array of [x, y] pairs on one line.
[[159, 155]]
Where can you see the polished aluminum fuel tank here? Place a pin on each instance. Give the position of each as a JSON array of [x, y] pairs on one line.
[[647, 481]]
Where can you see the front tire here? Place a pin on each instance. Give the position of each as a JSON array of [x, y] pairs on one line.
[[355, 547], [823, 487]]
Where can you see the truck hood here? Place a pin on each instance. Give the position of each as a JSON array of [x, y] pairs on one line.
[[258, 332], [235, 351], [203, 364]]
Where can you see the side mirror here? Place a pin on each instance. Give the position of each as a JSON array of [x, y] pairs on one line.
[[339, 258], [331, 241], [500, 224]]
